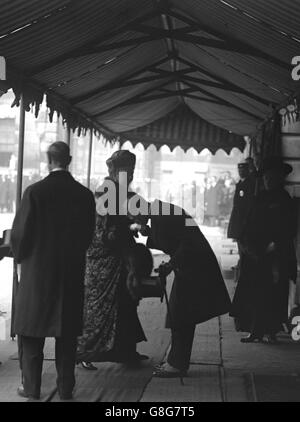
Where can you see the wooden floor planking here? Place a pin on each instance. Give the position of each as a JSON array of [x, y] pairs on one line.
[[202, 385], [236, 388], [206, 347], [203, 382], [10, 380], [115, 382], [112, 382]]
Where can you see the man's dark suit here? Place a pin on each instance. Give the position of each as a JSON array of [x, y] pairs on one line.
[[51, 233], [260, 304], [198, 292], [242, 202]]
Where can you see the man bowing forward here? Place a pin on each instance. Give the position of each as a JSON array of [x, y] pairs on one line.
[[51, 233], [198, 293]]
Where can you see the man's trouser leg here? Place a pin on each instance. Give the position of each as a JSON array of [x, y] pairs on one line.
[[31, 362], [65, 359], [181, 347]]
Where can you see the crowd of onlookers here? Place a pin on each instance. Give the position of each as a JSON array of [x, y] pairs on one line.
[[218, 199], [210, 201], [8, 189], [7, 193]]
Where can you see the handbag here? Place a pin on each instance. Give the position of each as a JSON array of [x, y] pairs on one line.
[[152, 286]]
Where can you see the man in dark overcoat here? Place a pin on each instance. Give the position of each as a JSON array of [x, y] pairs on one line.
[[242, 202], [51, 233], [198, 292], [260, 303]]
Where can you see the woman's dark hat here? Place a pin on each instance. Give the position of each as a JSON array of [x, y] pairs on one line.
[[275, 163], [121, 158]]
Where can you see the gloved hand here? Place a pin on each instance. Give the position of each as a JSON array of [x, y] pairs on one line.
[[271, 247], [145, 230], [165, 268], [135, 227]]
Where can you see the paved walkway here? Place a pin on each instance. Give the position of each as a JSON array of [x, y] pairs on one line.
[[222, 369]]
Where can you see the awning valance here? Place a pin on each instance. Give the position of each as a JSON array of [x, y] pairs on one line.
[[184, 128]]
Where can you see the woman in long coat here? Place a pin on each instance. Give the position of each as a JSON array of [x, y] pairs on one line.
[[260, 304], [111, 325]]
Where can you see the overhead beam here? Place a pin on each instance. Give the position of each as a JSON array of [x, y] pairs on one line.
[[213, 84], [101, 48], [171, 51], [156, 35], [94, 42], [169, 73], [225, 102], [181, 34], [138, 81], [239, 46], [206, 82], [167, 94], [119, 83], [129, 101], [165, 72], [192, 88], [222, 85], [207, 100], [166, 30], [225, 43], [212, 75], [188, 92]]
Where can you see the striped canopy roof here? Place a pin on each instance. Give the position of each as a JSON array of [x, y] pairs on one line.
[[201, 73]]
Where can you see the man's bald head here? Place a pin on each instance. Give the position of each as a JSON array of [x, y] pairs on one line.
[[58, 155]]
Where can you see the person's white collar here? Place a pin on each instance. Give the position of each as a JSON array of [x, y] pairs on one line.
[[58, 169]]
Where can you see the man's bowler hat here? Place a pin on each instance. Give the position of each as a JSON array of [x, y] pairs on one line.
[[275, 163]]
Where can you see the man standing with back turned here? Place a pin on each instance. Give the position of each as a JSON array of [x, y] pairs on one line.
[[51, 233]]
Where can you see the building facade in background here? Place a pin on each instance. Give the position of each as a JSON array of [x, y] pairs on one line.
[[197, 181]]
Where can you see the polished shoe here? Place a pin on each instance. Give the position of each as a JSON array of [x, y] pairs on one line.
[[22, 393], [252, 338], [140, 357], [271, 339], [166, 371], [87, 365], [168, 374]]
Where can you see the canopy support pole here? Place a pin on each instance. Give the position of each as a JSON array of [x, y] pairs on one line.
[[18, 201], [68, 136], [20, 152], [90, 160]]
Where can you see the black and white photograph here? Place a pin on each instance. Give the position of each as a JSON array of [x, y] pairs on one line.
[[149, 203]]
